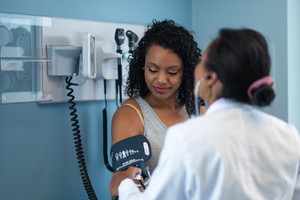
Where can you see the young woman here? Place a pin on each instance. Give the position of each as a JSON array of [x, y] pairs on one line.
[[159, 84]]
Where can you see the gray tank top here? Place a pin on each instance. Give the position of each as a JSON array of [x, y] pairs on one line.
[[154, 130]]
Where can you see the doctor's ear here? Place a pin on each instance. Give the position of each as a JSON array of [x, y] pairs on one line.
[[208, 77], [211, 78]]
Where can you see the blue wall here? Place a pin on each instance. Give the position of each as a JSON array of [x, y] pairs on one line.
[[278, 21], [130, 11], [294, 61], [36, 143]]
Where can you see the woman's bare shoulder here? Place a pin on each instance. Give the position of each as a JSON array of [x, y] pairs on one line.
[[126, 121]]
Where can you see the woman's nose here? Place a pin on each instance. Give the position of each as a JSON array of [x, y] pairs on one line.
[[162, 78]]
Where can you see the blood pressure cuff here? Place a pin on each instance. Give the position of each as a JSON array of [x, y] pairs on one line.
[[132, 151]]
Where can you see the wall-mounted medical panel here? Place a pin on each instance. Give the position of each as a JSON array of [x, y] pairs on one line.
[[38, 53], [92, 37]]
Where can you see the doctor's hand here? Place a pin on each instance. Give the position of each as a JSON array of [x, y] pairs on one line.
[[119, 176]]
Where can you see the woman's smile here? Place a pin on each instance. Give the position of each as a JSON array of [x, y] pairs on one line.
[[161, 89]]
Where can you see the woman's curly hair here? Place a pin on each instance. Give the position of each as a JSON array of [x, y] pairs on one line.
[[169, 35]]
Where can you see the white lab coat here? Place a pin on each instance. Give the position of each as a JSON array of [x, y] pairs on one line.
[[232, 152]]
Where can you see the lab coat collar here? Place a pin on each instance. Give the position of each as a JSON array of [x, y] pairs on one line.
[[225, 104]]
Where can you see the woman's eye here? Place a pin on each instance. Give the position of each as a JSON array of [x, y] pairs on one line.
[[172, 72], [153, 70]]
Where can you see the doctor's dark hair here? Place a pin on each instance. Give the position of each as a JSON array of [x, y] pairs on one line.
[[239, 57], [169, 35]]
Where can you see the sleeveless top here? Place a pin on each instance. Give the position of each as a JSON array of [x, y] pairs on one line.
[[154, 130]]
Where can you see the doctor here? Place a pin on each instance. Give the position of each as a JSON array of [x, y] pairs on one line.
[[234, 151]]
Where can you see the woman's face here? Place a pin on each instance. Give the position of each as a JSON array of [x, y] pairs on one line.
[[163, 72]]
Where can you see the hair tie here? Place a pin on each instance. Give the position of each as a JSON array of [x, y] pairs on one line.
[[256, 84]]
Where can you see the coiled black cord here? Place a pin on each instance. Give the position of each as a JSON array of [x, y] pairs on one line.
[[77, 141]]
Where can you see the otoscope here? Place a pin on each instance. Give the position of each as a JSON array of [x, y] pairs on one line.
[[119, 38], [132, 39]]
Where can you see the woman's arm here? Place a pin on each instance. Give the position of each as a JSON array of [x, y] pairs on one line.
[[126, 122], [169, 174]]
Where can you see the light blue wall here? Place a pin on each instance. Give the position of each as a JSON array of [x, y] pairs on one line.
[[279, 22], [294, 61], [36, 143], [130, 11], [267, 16]]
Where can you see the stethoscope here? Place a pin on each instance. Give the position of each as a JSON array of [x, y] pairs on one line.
[[196, 97]]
